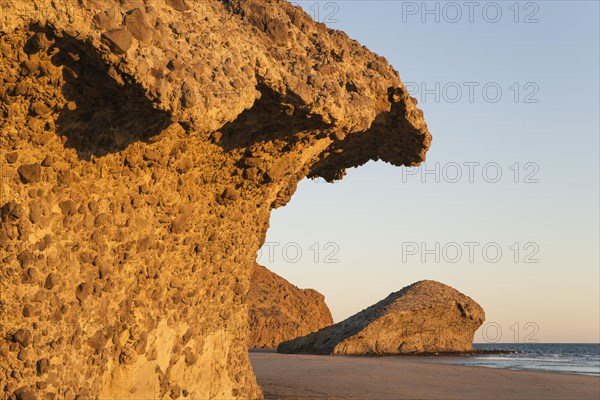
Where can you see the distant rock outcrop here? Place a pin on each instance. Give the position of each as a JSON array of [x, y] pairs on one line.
[[280, 311], [426, 316]]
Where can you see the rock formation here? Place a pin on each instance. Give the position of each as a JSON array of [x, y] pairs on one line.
[[280, 311], [143, 145], [425, 317]]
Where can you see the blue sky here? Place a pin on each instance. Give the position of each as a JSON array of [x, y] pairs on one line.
[[541, 133]]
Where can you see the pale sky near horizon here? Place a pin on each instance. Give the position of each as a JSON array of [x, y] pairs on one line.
[[377, 229]]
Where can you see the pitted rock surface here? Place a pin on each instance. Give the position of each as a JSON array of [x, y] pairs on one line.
[[143, 145]]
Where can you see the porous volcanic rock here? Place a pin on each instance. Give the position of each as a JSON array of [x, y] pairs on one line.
[[143, 145], [425, 317], [280, 311]]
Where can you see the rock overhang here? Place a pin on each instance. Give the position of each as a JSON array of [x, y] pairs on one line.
[[181, 54], [152, 138]]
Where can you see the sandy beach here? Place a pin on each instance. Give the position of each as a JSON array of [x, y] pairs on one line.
[[284, 376]]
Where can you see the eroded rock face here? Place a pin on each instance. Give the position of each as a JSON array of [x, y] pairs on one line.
[[143, 144], [425, 317], [280, 311]]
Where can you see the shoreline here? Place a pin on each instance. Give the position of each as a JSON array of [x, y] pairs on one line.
[[442, 361], [294, 376]]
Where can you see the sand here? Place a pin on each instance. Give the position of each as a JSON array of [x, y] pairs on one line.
[[290, 376]]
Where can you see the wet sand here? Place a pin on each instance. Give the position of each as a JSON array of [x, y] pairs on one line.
[[287, 376]]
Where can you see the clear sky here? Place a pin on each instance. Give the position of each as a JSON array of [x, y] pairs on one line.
[[507, 88]]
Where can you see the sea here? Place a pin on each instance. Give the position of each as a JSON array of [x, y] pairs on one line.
[[568, 358]]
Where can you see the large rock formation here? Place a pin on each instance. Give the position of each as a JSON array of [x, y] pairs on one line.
[[424, 317], [143, 145], [280, 311]]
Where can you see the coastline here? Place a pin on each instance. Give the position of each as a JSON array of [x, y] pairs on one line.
[[291, 376]]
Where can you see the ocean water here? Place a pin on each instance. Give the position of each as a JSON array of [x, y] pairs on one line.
[[556, 357]]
